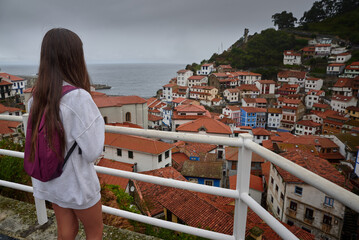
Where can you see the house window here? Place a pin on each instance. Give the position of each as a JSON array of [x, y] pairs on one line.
[[271, 199], [119, 152], [293, 206], [328, 201], [208, 182], [128, 117], [282, 196], [309, 213], [271, 180], [234, 166], [193, 180], [130, 154], [278, 210], [298, 190], [327, 219], [276, 188], [159, 158], [167, 154]]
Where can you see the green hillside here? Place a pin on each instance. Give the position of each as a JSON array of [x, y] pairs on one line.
[[345, 26]]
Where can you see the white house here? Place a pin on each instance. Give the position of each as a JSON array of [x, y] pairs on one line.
[[198, 80], [312, 83], [146, 154], [167, 92], [292, 58], [206, 126], [206, 69], [254, 102], [352, 70], [339, 103], [18, 83], [343, 57], [4, 110], [307, 127], [247, 77], [234, 113], [187, 113], [248, 91], [296, 203], [322, 49], [313, 97], [335, 68], [266, 86], [260, 134], [182, 77], [343, 86], [231, 95], [292, 77], [274, 117]]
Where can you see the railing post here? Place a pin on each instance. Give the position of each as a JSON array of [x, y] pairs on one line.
[[243, 174], [39, 204]]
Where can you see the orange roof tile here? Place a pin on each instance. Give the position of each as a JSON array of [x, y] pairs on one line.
[[154, 118], [341, 98], [8, 109], [255, 182], [260, 131], [117, 101], [309, 123], [5, 83], [209, 125], [248, 87], [295, 74], [254, 109], [113, 180], [135, 143], [7, 127], [11, 77], [344, 82]]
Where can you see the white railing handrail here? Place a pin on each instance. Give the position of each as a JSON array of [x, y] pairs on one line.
[[240, 194]]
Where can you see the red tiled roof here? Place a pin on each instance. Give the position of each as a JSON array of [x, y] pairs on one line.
[[314, 164], [336, 64], [117, 101], [179, 100], [196, 77], [308, 49], [296, 74], [11, 77], [135, 143], [248, 87], [312, 79], [291, 53], [178, 159], [344, 54], [274, 110], [6, 127], [309, 123], [113, 180], [232, 90], [323, 45], [190, 108], [260, 131], [169, 85], [255, 182], [233, 108], [266, 81], [342, 98], [253, 109], [5, 83], [344, 82], [321, 105], [154, 118], [209, 124], [183, 71], [8, 109]]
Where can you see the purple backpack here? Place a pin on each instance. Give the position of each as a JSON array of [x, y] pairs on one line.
[[47, 163]]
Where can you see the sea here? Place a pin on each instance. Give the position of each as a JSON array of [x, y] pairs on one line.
[[141, 79]]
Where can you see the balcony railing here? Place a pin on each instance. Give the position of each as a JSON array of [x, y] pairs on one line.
[[241, 196]]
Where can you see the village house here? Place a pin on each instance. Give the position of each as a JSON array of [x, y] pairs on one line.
[[11, 129], [18, 83], [224, 68], [248, 91], [198, 80], [253, 117], [343, 87], [274, 117], [312, 83], [204, 94], [207, 173], [182, 77], [308, 51], [154, 121], [353, 112], [339, 102], [167, 92], [5, 88], [266, 86], [292, 110], [206, 126], [206, 69], [234, 113], [260, 135], [335, 68], [254, 102], [10, 111], [187, 113], [146, 154], [214, 79], [247, 77], [291, 58], [256, 188], [288, 89], [333, 123], [119, 109], [231, 95], [352, 70], [308, 127], [322, 49], [180, 92], [313, 97], [343, 57], [291, 200], [292, 77]]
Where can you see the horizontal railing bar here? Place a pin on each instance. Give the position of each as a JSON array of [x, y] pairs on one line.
[[11, 153], [268, 218], [190, 137], [170, 182], [11, 118], [339, 193], [17, 186], [166, 224]]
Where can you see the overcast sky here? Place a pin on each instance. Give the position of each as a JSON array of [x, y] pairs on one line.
[[127, 31]]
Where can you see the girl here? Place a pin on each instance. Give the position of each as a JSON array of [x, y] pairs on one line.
[[75, 194]]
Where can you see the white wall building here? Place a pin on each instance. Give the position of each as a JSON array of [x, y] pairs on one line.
[[182, 77], [292, 58], [206, 69], [313, 97], [265, 86], [312, 83], [343, 57], [339, 103], [274, 117], [167, 92], [231, 95]]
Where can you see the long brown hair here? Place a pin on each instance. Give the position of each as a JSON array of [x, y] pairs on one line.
[[61, 59]]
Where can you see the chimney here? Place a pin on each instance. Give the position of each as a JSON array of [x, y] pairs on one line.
[[256, 233]]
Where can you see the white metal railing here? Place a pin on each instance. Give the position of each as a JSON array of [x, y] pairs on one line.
[[242, 199]]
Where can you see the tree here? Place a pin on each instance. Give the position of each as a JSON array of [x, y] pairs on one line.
[[284, 20]]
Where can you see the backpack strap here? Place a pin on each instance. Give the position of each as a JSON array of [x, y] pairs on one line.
[[67, 88], [69, 153]]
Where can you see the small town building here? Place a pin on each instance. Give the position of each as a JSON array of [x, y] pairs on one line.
[[182, 77], [206, 69], [292, 58]]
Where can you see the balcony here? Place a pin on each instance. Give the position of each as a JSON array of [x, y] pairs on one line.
[[292, 213], [241, 196]]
